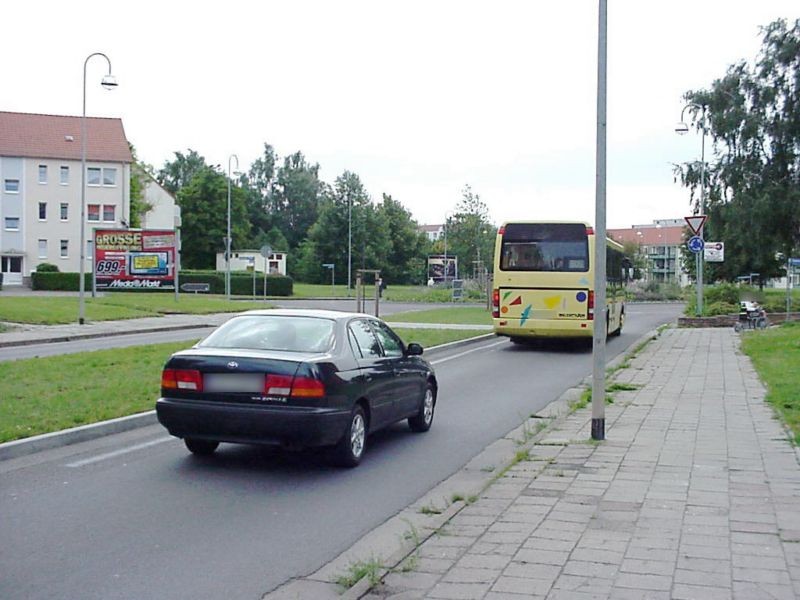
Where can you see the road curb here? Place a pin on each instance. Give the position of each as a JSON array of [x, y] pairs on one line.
[[471, 480], [87, 336], [83, 433]]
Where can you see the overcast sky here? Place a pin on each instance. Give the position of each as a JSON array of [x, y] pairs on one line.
[[417, 98]]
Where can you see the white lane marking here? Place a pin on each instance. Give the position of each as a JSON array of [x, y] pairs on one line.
[[107, 455], [441, 360]]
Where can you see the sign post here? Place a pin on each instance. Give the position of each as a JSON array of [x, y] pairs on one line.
[[696, 223], [332, 267]]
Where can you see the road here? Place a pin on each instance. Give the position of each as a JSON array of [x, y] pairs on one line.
[[135, 516]]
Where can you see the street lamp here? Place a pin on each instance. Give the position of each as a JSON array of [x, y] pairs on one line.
[[349, 240], [447, 215], [109, 83], [681, 129], [228, 235]]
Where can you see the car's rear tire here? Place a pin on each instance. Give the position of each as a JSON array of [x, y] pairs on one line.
[[423, 420], [200, 447], [350, 449]]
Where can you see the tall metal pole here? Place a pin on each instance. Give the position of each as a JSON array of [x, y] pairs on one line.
[[228, 235], [600, 309], [108, 83], [445, 250], [700, 257], [349, 242]]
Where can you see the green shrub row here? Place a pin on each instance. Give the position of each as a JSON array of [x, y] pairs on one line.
[[241, 283]]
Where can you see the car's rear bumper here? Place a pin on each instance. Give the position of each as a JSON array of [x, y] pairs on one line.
[[247, 424]]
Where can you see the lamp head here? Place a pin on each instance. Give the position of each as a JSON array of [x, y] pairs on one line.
[[109, 82], [681, 128]]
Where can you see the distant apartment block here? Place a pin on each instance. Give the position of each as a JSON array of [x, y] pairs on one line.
[[660, 246], [40, 189]]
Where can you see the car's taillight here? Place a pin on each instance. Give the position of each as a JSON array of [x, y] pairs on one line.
[[306, 387], [277, 385], [182, 379], [496, 303], [591, 305]]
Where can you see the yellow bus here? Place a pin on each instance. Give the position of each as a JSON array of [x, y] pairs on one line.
[[544, 281]]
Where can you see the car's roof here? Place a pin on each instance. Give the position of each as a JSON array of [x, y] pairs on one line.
[[306, 312]]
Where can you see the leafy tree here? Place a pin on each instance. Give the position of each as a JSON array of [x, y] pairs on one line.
[[407, 244], [203, 205], [295, 197], [470, 234], [140, 173], [178, 173], [259, 182], [753, 189]]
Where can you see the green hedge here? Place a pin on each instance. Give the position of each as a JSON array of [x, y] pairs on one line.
[[241, 283], [64, 282]]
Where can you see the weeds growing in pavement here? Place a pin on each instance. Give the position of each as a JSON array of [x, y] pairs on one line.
[[430, 509], [358, 570]]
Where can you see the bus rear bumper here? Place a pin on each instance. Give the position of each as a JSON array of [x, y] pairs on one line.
[[544, 329]]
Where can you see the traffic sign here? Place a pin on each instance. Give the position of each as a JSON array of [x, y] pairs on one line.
[[714, 251], [696, 223], [695, 244]]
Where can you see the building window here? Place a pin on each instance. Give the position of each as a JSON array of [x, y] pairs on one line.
[[109, 176], [93, 212], [93, 176], [11, 186], [64, 175], [12, 223], [42, 211], [42, 248], [42, 173], [109, 212], [64, 211], [11, 264], [64, 248]]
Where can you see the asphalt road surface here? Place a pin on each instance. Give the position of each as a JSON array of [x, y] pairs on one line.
[[135, 516]]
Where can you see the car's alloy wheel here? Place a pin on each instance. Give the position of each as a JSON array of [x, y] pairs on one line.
[[423, 420], [350, 448], [200, 447]]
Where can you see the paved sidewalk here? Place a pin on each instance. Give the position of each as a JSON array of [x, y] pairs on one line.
[[694, 494]]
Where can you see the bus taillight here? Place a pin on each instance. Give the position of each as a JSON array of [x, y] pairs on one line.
[[591, 305], [496, 303]]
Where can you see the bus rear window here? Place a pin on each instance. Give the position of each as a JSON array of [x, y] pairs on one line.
[[545, 247]]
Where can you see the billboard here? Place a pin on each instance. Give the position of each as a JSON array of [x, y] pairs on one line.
[[436, 267], [134, 259]]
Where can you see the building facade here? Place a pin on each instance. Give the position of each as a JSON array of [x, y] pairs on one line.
[[660, 246], [40, 189]]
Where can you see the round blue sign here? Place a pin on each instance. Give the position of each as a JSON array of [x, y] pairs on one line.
[[581, 297], [695, 244]]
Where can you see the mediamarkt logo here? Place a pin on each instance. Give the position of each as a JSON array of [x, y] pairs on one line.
[[135, 283]]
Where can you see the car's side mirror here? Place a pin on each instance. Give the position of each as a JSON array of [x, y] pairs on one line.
[[414, 349]]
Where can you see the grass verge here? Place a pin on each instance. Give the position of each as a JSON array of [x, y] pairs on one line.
[[55, 310], [775, 354], [462, 315]]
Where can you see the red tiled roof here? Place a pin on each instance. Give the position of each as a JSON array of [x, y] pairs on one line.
[[45, 136], [650, 236]]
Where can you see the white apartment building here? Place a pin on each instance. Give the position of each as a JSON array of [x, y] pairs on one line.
[[40, 189]]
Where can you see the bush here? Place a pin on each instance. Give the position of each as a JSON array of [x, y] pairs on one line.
[[64, 282], [722, 292], [47, 268], [241, 282], [720, 308]]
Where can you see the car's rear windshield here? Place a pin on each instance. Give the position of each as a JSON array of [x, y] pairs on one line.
[[273, 332], [544, 247]]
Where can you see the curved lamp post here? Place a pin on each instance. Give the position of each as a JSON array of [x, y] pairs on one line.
[[682, 128], [109, 83], [228, 234]]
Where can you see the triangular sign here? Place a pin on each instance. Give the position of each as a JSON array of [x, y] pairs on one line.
[[696, 223]]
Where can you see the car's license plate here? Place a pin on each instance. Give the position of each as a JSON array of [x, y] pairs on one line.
[[233, 382]]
